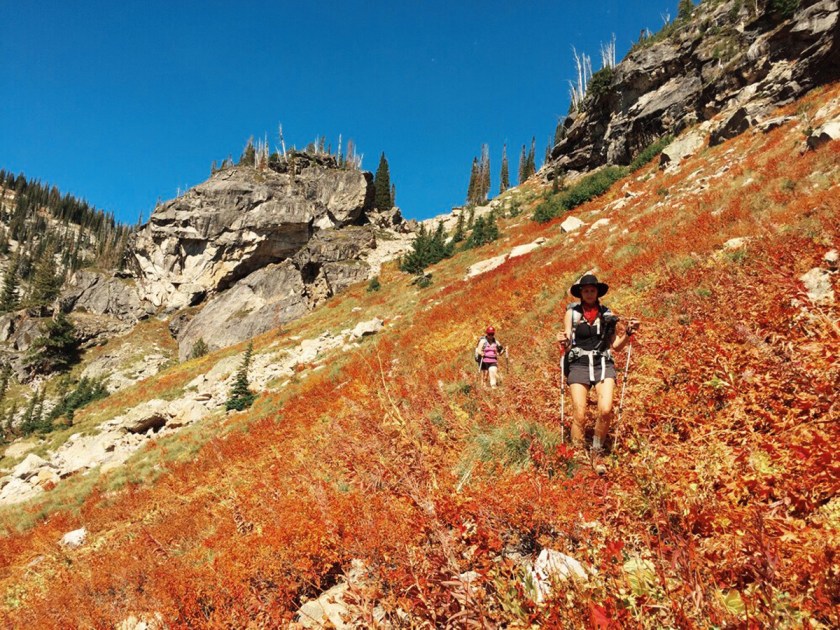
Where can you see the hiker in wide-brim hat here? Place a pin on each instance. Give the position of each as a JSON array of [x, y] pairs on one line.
[[591, 334], [588, 280]]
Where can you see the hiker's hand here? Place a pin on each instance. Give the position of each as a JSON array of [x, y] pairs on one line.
[[631, 327]]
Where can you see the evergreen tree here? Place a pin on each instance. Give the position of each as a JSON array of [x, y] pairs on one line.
[[9, 299], [523, 166], [504, 178], [685, 9], [240, 396], [393, 195], [249, 155], [472, 188], [484, 230], [55, 349], [382, 185], [10, 420], [46, 284], [33, 418], [531, 164], [485, 172], [460, 231], [5, 377], [199, 349]]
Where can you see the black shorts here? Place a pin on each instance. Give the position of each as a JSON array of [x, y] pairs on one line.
[[487, 366], [579, 372]]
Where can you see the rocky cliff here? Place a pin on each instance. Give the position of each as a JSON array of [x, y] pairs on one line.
[[253, 247], [731, 60]]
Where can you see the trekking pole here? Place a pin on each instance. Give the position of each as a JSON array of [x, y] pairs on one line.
[[562, 401], [623, 388]]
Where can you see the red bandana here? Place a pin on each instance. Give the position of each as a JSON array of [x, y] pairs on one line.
[[590, 313]]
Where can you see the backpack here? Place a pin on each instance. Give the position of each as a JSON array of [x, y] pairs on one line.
[[499, 348], [606, 326]]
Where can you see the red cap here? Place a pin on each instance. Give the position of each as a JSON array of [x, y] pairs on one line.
[[490, 331]]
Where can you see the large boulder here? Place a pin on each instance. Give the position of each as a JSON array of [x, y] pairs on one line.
[[279, 293], [239, 221], [263, 300], [91, 292]]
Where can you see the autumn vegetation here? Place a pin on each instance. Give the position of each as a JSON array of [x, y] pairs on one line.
[[719, 509]]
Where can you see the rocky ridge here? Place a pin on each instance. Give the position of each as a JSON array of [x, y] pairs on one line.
[[254, 248], [726, 67]]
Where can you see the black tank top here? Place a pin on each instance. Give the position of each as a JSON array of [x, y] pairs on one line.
[[588, 336]]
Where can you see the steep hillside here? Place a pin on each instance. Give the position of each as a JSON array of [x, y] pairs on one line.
[[377, 468]]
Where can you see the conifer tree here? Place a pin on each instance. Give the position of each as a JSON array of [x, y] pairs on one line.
[[484, 174], [460, 229], [241, 397], [46, 284], [382, 185], [393, 195], [685, 9], [5, 376], [55, 349], [9, 299], [504, 177], [523, 166], [249, 155], [532, 164], [10, 420], [472, 188]]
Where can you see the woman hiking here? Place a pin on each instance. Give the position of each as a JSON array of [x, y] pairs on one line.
[[487, 355], [590, 337]]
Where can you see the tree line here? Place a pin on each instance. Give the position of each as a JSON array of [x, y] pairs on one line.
[[47, 236]]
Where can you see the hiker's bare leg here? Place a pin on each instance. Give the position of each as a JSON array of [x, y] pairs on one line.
[[605, 390], [493, 371], [580, 395]]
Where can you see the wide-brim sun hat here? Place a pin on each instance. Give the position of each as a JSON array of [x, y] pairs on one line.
[[589, 280]]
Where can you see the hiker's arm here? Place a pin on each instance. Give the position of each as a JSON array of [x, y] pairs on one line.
[[622, 338], [479, 350], [565, 337]]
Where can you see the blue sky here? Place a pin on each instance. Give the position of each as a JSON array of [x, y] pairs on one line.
[[123, 103]]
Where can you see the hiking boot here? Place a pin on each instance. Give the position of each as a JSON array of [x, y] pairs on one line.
[[598, 462]]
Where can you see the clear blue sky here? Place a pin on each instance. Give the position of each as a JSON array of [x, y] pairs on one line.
[[122, 103]]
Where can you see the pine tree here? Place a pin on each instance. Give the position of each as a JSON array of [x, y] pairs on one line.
[[55, 349], [472, 188], [199, 349], [382, 185], [10, 420], [249, 155], [460, 229], [9, 299], [484, 174], [504, 178], [685, 9], [5, 377], [46, 283], [240, 396], [532, 163], [523, 166], [393, 195]]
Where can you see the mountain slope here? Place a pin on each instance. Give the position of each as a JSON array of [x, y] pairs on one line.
[[719, 507]]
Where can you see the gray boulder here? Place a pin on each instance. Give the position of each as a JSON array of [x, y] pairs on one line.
[[264, 300], [241, 220], [91, 292]]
